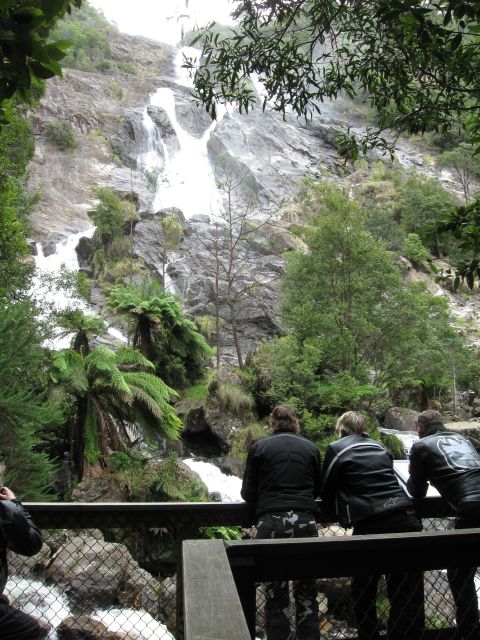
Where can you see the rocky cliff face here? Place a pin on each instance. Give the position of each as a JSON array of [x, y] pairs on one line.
[[117, 130]]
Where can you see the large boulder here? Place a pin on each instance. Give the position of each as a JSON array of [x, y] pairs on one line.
[[98, 490], [99, 574], [470, 430], [400, 418], [86, 628], [28, 566]]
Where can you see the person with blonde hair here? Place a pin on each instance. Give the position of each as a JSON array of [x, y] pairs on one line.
[[360, 488], [282, 478]]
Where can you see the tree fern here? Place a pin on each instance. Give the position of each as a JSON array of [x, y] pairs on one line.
[[161, 331]]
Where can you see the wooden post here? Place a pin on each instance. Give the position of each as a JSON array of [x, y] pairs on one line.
[[212, 608]]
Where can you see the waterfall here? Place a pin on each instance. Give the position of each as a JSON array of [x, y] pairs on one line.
[[64, 257], [228, 487]]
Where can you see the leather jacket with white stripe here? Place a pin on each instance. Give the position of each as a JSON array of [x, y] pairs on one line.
[[359, 481]]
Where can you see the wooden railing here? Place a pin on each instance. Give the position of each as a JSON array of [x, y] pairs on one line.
[[223, 607], [245, 564]]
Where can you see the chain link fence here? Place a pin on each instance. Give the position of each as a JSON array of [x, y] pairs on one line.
[[112, 571]]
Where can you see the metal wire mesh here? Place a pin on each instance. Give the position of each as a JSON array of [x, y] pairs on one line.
[[121, 577]]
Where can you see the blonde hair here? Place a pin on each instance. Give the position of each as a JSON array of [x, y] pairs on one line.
[[350, 423], [284, 418]]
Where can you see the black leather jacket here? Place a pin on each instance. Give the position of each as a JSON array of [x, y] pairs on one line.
[[282, 473], [450, 463], [18, 533], [359, 481]]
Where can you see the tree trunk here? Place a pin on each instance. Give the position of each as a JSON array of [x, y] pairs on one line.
[[233, 321]]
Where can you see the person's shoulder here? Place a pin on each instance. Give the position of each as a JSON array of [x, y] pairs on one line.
[[7, 509]]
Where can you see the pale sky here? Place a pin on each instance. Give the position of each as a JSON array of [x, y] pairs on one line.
[[162, 19]]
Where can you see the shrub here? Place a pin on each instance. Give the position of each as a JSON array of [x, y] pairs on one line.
[[169, 482], [414, 249], [394, 445], [235, 401], [223, 533], [60, 133]]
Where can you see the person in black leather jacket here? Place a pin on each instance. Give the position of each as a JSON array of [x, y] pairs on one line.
[[282, 478], [360, 487], [452, 465], [18, 533]]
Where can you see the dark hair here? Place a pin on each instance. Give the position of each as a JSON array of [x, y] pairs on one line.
[[430, 420], [284, 418]]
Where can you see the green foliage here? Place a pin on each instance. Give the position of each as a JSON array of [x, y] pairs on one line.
[[391, 442], [222, 533], [423, 204], [465, 164], [83, 327], [16, 150], [197, 392], [173, 482], [354, 328], [26, 413], [412, 62], [60, 133], [126, 67], [110, 390], [161, 331], [83, 285], [414, 249], [27, 53], [109, 216], [207, 325], [87, 30]]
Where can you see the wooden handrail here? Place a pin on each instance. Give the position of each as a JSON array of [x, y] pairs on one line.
[[156, 514]]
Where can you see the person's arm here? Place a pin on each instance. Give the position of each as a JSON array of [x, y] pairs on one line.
[[417, 483], [22, 535], [329, 481], [318, 474], [249, 489]]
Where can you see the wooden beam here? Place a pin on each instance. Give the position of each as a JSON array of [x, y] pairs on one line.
[[332, 556], [212, 609]]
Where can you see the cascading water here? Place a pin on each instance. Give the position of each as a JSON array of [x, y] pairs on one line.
[[41, 600], [227, 487], [188, 181], [64, 256]]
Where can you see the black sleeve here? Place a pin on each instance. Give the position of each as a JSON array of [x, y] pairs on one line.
[[249, 489], [329, 480], [22, 536], [417, 483], [318, 474]]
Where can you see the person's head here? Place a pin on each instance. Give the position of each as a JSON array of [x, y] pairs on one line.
[[428, 422], [284, 418], [351, 423]]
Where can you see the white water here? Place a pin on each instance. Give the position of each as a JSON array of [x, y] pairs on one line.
[[44, 602], [217, 482], [188, 181], [64, 257], [140, 623]]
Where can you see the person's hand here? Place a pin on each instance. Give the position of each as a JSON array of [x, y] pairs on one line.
[[6, 494]]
